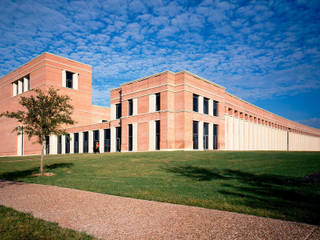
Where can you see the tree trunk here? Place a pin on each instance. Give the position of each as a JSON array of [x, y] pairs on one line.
[[41, 162]]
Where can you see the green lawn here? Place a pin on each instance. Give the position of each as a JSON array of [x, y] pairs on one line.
[[266, 184], [17, 225]]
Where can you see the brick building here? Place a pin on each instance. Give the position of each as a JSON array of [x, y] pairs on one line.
[[165, 111]]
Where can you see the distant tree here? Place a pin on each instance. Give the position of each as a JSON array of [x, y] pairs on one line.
[[46, 112]]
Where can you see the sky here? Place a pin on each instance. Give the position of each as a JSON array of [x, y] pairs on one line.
[[265, 52]]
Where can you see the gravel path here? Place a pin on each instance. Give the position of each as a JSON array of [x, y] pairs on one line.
[[111, 217]]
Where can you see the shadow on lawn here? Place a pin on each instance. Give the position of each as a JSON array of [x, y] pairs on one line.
[[13, 176], [284, 197]]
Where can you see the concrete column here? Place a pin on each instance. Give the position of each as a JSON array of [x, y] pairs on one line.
[[90, 141], [152, 103], [26, 84], [63, 144], [135, 137], [63, 78], [210, 107], [135, 106], [14, 89], [71, 142], [80, 142], [20, 86], [230, 133], [235, 133], [241, 134], [113, 140], [200, 135], [210, 136], [19, 144], [113, 112], [226, 142], [53, 144], [200, 104], [75, 80], [101, 140], [152, 137]]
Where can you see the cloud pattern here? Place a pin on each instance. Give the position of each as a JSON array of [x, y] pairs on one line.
[[257, 49]]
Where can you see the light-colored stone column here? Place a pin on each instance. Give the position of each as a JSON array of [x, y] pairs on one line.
[[53, 144], [63, 78], [135, 137], [101, 140], [113, 139], [200, 135], [152, 137], [14, 89], [20, 86], [71, 142], [152, 103], [63, 144], [90, 141], [80, 142], [210, 107], [135, 106], [210, 136], [200, 104], [25, 84]]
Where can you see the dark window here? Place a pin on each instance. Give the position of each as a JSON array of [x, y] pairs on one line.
[[76, 143], [95, 141], [47, 144], [130, 107], [215, 108], [59, 144], [130, 137], [195, 134], [158, 135], [85, 142], [157, 101], [68, 143], [195, 103], [205, 135], [107, 140], [215, 136], [69, 79], [205, 105], [118, 138], [118, 110]]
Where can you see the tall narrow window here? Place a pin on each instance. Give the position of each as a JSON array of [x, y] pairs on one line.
[[47, 144], [107, 145], [118, 139], [157, 101], [76, 143], [215, 136], [215, 108], [68, 143], [205, 135], [118, 110], [130, 101], [130, 137], [195, 103], [205, 105], [195, 134], [59, 144], [158, 135], [69, 79], [85, 142]]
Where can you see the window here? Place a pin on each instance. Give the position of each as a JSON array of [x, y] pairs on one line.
[[118, 110], [118, 139], [215, 136], [130, 137], [20, 86], [76, 143], [59, 144], [107, 146], [195, 103], [47, 145], [130, 107], [158, 135], [69, 79], [68, 143], [205, 105], [195, 134], [205, 135], [215, 108], [85, 142], [157, 101]]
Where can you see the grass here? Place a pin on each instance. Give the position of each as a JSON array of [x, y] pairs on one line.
[[268, 184], [17, 225]]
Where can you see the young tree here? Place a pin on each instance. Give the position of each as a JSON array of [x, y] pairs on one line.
[[45, 114]]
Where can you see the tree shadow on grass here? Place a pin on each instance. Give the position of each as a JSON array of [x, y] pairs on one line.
[[13, 176], [284, 197]]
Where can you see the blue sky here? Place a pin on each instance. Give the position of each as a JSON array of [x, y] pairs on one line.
[[266, 52]]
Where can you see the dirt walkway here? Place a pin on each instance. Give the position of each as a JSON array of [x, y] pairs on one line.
[[111, 217]]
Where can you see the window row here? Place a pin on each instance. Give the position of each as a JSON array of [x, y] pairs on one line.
[[154, 105], [20, 86], [205, 136], [205, 107]]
